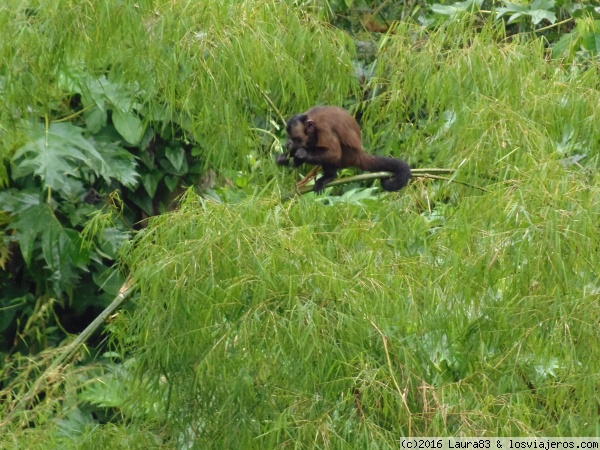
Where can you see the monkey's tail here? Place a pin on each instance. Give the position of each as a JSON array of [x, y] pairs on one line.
[[398, 167]]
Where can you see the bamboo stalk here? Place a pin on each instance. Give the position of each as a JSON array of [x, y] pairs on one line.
[[431, 173]]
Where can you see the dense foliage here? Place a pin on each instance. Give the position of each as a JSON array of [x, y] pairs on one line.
[[344, 320]]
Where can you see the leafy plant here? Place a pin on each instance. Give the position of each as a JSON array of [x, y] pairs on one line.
[[454, 10], [581, 44], [534, 12], [62, 175]]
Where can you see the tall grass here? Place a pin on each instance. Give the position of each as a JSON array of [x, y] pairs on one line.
[[456, 95], [216, 68], [353, 326]]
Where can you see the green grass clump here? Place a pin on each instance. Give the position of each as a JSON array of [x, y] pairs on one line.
[[458, 96], [354, 325]]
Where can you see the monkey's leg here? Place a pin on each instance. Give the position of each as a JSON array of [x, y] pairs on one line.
[[329, 174], [308, 177]]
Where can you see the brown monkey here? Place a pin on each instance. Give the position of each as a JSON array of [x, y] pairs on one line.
[[330, 137]]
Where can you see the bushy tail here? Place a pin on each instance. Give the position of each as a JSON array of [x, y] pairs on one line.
[[398, 167]]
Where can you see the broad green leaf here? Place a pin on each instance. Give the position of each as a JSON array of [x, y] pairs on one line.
[[456, 8], [75, 422], [13, 301], [468, 5], [591, 42], [100, 91], [95, 119], [72, 250], [118, 164], [72, 188], [93, 92], [511, 8], [150, 182], [514, 17], [112, 240], [38, 228], [141, 199], [78, 213], [58, 155], [176, 157], [54, 154], [543, 4], [171, 182], [357, 195], [444, 10], [538, 15], [128, 125], [579, 11], [15, 201], [33, 222]]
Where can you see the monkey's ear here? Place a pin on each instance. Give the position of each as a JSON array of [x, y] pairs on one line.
[[310, 125]]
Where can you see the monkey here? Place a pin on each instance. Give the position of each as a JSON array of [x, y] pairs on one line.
[[330, 137]]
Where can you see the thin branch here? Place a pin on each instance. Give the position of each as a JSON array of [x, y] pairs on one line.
[[554, 25], [75, 114]]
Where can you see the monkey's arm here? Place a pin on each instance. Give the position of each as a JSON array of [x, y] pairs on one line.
[[303, 156], [282, 159], [317, 156]]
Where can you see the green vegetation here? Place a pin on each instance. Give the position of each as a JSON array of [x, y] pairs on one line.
[[138, 142]]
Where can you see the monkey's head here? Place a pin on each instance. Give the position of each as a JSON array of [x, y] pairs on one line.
[[302, 133]]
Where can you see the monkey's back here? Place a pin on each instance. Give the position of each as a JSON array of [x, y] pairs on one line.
[[339, 121]]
